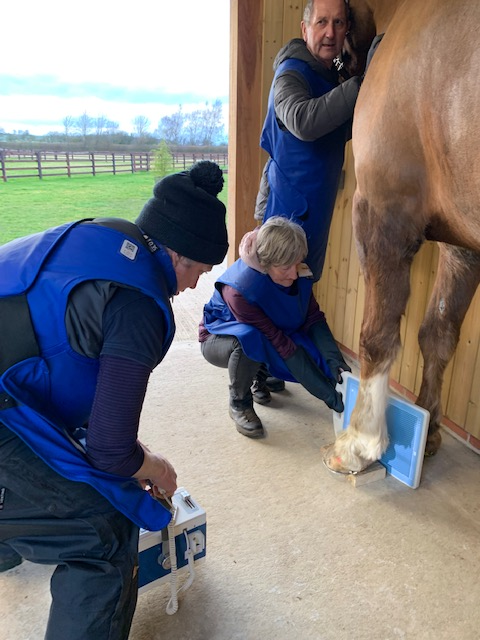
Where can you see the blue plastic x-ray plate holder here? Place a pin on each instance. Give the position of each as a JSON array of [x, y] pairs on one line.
[[407, 426]]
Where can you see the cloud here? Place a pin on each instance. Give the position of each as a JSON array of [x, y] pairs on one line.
[[143, 59], [43, 85]]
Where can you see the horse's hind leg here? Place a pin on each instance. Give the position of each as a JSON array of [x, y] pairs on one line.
[[458, 275]]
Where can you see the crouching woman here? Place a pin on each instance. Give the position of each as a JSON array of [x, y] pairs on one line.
[[263, 311]]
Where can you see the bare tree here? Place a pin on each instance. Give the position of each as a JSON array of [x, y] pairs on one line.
[[141, 125], [214, 129], [200, 127], [83, 124], [195, 127], [100, 124], [171, 128], [68, 124], [111, 127]]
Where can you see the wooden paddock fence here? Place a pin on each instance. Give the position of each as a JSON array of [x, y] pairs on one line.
[[182, 161], [46, 164]]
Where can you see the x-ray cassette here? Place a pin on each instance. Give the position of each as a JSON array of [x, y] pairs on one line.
[[189, 528]]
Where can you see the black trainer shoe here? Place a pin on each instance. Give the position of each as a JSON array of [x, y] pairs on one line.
[[247, 422], [275, 385], [260, 391]]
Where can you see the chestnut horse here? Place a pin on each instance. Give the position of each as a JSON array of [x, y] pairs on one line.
[[416, 146]]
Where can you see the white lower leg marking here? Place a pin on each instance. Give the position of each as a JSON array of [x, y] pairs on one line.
[[366, 437]]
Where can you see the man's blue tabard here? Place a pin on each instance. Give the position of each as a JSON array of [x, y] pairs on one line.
[[303, 176], [54, 389], [286, 310]]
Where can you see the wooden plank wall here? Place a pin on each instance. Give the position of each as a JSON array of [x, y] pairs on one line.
[[265, 25]]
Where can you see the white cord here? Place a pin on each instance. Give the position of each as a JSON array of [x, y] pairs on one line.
[[172, 605], [189, 556]]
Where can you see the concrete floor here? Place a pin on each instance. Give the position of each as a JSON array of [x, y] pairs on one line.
[[292, 551]]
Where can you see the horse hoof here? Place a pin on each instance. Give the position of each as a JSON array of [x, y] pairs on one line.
[[334, 462], [433, 444]]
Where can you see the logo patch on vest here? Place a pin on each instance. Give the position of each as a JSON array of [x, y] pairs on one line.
[[129, 249]]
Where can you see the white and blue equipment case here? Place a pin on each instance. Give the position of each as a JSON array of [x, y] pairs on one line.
[[407, 426], [190, 530]]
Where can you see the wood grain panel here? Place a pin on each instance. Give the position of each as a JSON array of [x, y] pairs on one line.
[[245, 119], [464, 366], [292, 16]]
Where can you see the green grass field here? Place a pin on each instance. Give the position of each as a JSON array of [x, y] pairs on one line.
[[28, 205]]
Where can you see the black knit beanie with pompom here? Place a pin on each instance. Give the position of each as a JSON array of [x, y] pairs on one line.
[[186, 216]]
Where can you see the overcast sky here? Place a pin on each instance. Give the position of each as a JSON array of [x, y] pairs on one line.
[[110, 58]]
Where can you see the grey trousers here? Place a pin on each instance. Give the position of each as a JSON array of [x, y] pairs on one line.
[[51, 520], [227, 352]]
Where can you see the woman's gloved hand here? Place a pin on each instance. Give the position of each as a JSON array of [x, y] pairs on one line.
[[310, 376], [321, 336]]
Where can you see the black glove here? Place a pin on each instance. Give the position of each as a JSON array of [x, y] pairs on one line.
[[310, 376], [321, 336]]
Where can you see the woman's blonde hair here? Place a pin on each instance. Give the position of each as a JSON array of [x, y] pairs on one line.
[[280, 243]]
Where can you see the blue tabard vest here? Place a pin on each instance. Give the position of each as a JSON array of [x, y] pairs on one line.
[[288, 312], [53, 389], [303, 176]]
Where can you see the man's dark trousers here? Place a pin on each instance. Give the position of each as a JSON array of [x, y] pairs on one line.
[[51, 520]]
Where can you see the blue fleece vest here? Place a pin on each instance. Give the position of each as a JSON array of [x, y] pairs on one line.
[[54, 389], [286, 310], [303, 176]]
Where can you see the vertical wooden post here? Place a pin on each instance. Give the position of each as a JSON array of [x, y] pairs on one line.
[[245, 119], [2, 164], [39, 164]]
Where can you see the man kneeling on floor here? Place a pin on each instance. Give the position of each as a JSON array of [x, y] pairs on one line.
[[263, 311]]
